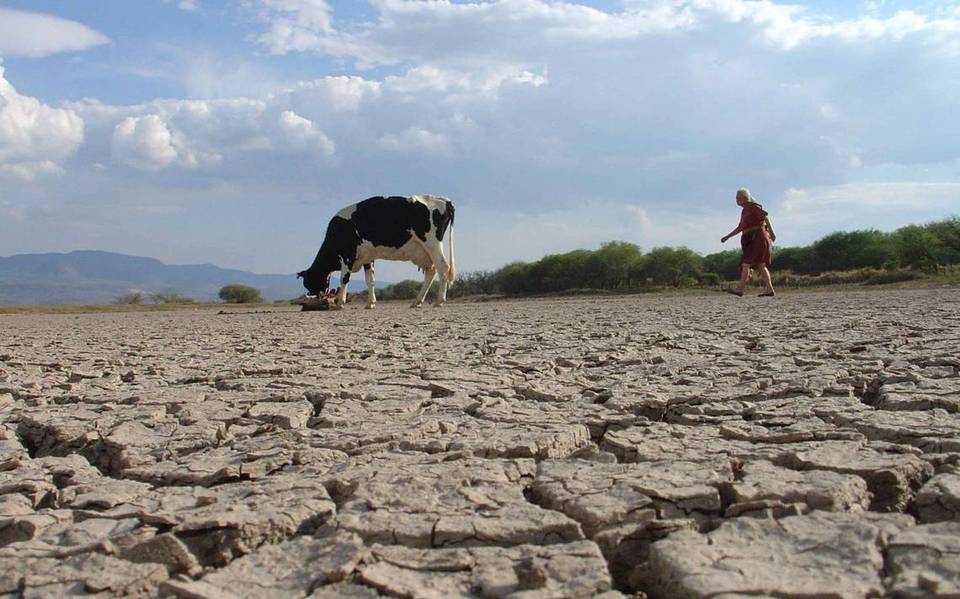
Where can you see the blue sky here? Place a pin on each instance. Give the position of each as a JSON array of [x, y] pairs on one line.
[[230, 132]]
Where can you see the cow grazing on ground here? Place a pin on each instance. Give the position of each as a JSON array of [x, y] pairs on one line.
[[385, 228]]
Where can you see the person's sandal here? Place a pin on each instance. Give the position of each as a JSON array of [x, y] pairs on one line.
[[734, 292], [766, 294]]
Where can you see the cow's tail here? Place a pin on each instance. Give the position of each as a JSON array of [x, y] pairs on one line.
[[452, 268]]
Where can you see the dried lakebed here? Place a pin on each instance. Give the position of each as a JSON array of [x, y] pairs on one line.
[[677, 446]]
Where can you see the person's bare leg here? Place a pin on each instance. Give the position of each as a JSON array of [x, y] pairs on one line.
[[765, 272], [744, 277]]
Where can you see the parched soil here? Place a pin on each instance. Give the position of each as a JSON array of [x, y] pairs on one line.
[[673, 446]]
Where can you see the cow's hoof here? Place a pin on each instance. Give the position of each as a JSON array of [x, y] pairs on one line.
[[416, 305], [371, 306], [440, 304]]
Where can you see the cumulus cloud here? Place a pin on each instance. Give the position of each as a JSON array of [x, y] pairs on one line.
[[333, 94], [35, 34], [200, 134], [34, 137], [300, 133], [144, 142]]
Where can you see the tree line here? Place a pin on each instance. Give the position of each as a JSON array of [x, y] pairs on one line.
[[876, 256]]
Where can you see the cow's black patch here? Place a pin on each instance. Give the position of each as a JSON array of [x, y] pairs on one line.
[[339, 244], [387, 222]]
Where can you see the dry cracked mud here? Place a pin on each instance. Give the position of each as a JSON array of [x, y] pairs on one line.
[[661, 446]]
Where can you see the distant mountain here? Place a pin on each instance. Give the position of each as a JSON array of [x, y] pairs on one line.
[[92, 277]]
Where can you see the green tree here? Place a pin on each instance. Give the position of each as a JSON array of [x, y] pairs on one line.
[[917, 247], [240, 294], [677, 267], [724, 264], [947, 234], [829, 253], [513, 278], [849, 250], [795, 259], [611, 264]]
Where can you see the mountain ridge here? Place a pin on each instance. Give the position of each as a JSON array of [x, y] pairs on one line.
[[97, 276]]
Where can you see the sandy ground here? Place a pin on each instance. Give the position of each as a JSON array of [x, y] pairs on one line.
[[677, 446]]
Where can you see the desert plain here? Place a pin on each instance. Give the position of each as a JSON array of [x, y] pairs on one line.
[[662, 445]]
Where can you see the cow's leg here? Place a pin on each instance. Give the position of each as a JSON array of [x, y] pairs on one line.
[[440, 265], [428, 275], [342, 292], [371, 294]]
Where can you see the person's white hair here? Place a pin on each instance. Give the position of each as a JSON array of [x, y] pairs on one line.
[[743, 191]]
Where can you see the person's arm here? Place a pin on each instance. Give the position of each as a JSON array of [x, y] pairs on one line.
[[773, 236], [730, 234], [739, 230]]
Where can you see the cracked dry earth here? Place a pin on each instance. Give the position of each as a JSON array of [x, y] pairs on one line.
[[690, 446]]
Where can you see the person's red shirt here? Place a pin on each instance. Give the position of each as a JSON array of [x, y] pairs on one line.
[[753, 215]]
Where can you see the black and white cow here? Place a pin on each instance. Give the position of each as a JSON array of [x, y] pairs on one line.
[[378, 228]]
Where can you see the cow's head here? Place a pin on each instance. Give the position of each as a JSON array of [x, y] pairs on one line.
[[315, 282]]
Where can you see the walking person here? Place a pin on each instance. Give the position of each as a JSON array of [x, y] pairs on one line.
[[756, 241]]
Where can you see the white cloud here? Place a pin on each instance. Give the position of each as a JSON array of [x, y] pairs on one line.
[[34, 137], [335, 94], [300, 25], [417, 31], [144, 142], [185, 5], [639, 213], [300, 133], [455, 83], [28, 171], [35, 34], [832, 204], [446, 29], [201, 133], [789, 25], [416, 139], [423, 109]]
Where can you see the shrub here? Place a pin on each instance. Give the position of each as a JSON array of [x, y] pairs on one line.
[[129, 298], [162, 297], [240, 294], [884, 277], [404, 290], [710, 279], [861, 276]]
